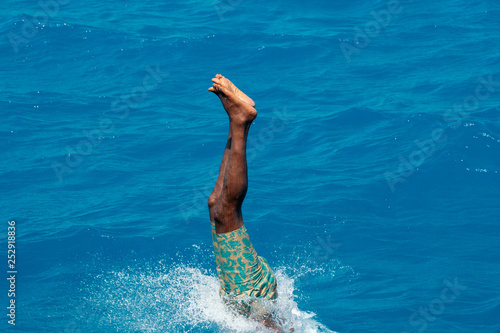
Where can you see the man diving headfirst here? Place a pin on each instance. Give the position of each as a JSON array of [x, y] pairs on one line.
[[244, 276]]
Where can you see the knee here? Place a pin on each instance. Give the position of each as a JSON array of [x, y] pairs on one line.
[[224, 213], [212, 202], [217, 213], [220, 213]]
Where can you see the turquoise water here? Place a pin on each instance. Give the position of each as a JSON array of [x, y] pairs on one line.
[[374, 162]]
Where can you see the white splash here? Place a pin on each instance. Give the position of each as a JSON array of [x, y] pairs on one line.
[[158, 297]]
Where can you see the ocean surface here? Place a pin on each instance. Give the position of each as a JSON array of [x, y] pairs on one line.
[[374, 162]]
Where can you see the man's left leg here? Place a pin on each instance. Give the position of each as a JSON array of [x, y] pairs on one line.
[[215, 195]]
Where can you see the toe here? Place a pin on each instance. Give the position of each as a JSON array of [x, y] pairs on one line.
[[221, 89], [215, 88]]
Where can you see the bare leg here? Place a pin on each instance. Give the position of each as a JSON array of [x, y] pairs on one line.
[[215, 195], [227, 211]]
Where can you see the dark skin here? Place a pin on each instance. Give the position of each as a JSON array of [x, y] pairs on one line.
[[231, 186], [226, 199]]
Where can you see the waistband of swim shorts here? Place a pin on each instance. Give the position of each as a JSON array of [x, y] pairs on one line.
[[237, 234]]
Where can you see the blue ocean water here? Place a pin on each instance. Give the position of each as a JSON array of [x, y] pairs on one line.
[[374, 162]]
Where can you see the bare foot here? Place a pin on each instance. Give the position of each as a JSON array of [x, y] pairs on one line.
[[239, 111], [228, 84]]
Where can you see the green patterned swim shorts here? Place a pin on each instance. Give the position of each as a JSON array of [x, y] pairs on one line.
[[243, 275]]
